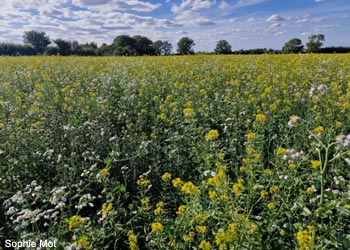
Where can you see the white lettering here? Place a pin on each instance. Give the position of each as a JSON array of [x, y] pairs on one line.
[[20, 244], [47, 243]]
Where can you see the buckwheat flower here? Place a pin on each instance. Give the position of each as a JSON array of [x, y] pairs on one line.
[[181, 210], [264, 194], [212, 135], [83, 242], [189, 237], [201, 229], [305, 239], [293, 119], [157, 227], [271, 206], [250, 136]]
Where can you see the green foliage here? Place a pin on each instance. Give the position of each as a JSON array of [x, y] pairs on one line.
[[294, 45], [185, 46], [176, 152], [38, 40], [315, 43], [223, 47]]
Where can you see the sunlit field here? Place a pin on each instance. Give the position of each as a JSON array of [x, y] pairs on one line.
[[196, 152]]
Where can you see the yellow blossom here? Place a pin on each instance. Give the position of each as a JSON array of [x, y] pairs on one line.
[[238, 187], [190, 188], [75, 221], [181, 210], [281, 151], [157, 227], [166, 176], [250, 136], [264, 194], [177, 182], [188, 112], [260, 117], [204, 245], [189, 237], [106, 208], [212, 135], [316, 164], [318, 130]]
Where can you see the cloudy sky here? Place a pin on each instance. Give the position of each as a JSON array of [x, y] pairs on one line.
[[243, 23]]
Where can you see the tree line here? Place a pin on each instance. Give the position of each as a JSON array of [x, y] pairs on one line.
[[37, 43]]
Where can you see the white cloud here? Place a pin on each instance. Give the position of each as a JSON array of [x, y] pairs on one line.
[[223, 5], [275, 18], [320, 1], [108, 5], [252, 20], [244, 3]]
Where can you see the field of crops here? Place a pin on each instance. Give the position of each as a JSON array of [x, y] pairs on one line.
[[197, 152]]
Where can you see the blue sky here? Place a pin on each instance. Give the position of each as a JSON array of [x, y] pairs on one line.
[[243, 23]]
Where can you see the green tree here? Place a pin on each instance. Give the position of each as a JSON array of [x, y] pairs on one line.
[[315, 43], [64, 47], [223, 47], [162, 47], [38, 40], [125, 45], [293, 46], [143, 45], [185, 46]]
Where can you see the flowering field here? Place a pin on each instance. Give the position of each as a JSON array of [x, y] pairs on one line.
[[201, 152]]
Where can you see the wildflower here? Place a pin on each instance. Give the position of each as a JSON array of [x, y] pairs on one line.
[[132, 240], [220, 238], [83, 242], [316, 164], [189, 237], [201, 229], [238, 187], [181, 210], [145, 201], [292, 166], [106, 208], [201, 218], [166, 176], [159, 208], [104, 172], [221, 156], [143, 182], [204, 245], [271, 206], [304, 238], [190, 188], [177, 182], [250, 136], [268, 171], [273, 189], [188, 112], [212, 135], [318, 130], [281, 151], [157, 227], [1, 125], [75, 221], [310, 190], [260, 117], [293, 119], [264, 194]]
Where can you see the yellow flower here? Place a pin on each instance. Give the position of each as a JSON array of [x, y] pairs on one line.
[[264, 194], [204, 245], [189, 237], [238, 187], [143, 182], [106, 208], [273, 189], [220, 238], [201, 218], [132, 240], [318, 130], [305, 239], [188, 112], [212, 135], [316, 164], [177, 182], [83, 242], [159, 208], [281, 151], [157, 227], [190, 188], [292, 166], [250, 135], [166, 176], [201, 229], [75, 221], [309, 190], [181, 210], [260, 117], [1, 125], [271, 206], [104, 172]]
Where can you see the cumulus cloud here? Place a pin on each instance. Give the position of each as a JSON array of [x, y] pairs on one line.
[[243, 3], [275, 18], [107, 5]]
